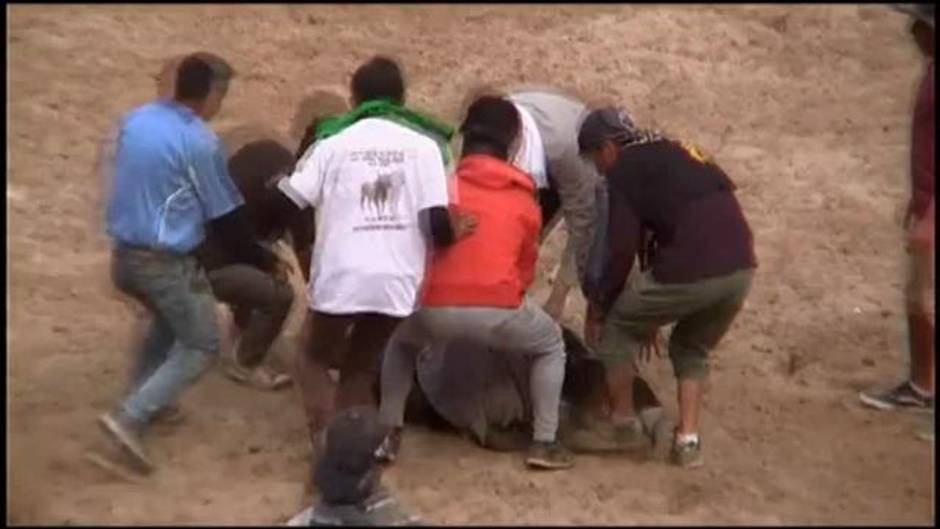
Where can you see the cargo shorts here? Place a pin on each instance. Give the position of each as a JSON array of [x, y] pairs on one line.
[[702, 311]]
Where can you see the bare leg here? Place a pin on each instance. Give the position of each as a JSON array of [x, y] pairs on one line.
[[362, 363], [690, 401], [323, 336], [920, 325], [620, 389]]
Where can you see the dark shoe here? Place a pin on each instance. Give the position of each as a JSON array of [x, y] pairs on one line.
[[902, 396], [549, 456], [128, 438], [387, 452], [687, 455]]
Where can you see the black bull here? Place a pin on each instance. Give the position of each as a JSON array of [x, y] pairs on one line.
[[584, 379]]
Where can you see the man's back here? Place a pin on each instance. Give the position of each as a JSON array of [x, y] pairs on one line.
[[368, 184], [557, 117], [689, 205], [167, 179], [494, 266]]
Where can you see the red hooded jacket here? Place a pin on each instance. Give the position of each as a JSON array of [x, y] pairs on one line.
[[495, 265]]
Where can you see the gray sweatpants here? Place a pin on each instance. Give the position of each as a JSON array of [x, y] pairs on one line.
[[527, 330]]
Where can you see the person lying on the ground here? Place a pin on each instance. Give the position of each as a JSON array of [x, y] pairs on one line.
[[481, 393], [475, 290], [698, 276], [917, 392], [261, 301], [376, 179], [170, 184], [569, 186], [349, 477]]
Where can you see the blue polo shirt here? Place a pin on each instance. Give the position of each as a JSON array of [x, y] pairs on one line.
[[169, 178]]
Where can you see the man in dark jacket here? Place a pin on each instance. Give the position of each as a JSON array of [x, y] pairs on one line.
[[698, 276], [261, 301]]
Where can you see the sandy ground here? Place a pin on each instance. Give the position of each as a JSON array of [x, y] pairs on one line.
[[806, 106]]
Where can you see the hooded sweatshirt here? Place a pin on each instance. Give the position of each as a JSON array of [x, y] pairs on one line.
[[495, 265]]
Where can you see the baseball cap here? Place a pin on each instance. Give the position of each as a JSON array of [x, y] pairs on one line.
[[603, 124]]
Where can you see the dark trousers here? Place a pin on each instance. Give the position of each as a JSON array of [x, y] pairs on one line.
[[354, 344], [260, 303]]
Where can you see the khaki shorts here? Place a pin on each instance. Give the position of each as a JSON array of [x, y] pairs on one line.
[[702, 311]]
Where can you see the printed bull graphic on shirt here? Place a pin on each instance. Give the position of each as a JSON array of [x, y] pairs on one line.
[[381, 196]]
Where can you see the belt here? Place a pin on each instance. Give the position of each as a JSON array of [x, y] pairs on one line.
[[126, 247]]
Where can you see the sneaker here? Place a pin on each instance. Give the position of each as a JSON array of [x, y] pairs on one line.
[[170, 415], [127, 437], [687, 455], [259, 377], [549, 456], [387, 452], [602, 437], [902, 396]]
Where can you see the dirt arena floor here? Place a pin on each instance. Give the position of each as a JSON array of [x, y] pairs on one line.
[[808, 108]]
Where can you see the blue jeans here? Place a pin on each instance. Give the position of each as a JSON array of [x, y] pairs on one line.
[[182, 340]]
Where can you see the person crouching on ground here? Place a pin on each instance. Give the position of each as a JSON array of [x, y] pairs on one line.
[[698, 277], [476, 289]]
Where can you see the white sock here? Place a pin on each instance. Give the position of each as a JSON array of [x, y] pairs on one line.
[[686, 438]]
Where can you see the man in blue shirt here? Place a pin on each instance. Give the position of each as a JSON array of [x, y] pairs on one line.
[[170, 183]]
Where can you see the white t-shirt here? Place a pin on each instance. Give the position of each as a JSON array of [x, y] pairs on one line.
[[367, 184], [530, 158]]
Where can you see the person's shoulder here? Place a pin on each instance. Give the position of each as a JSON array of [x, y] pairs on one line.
[[399, 133], [146, 114], [200, 135]]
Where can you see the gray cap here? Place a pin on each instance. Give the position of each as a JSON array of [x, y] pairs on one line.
[[604, 124], [923, 12]]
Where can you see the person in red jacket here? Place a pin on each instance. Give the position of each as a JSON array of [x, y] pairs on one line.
[[475, 290], [917, 392]]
